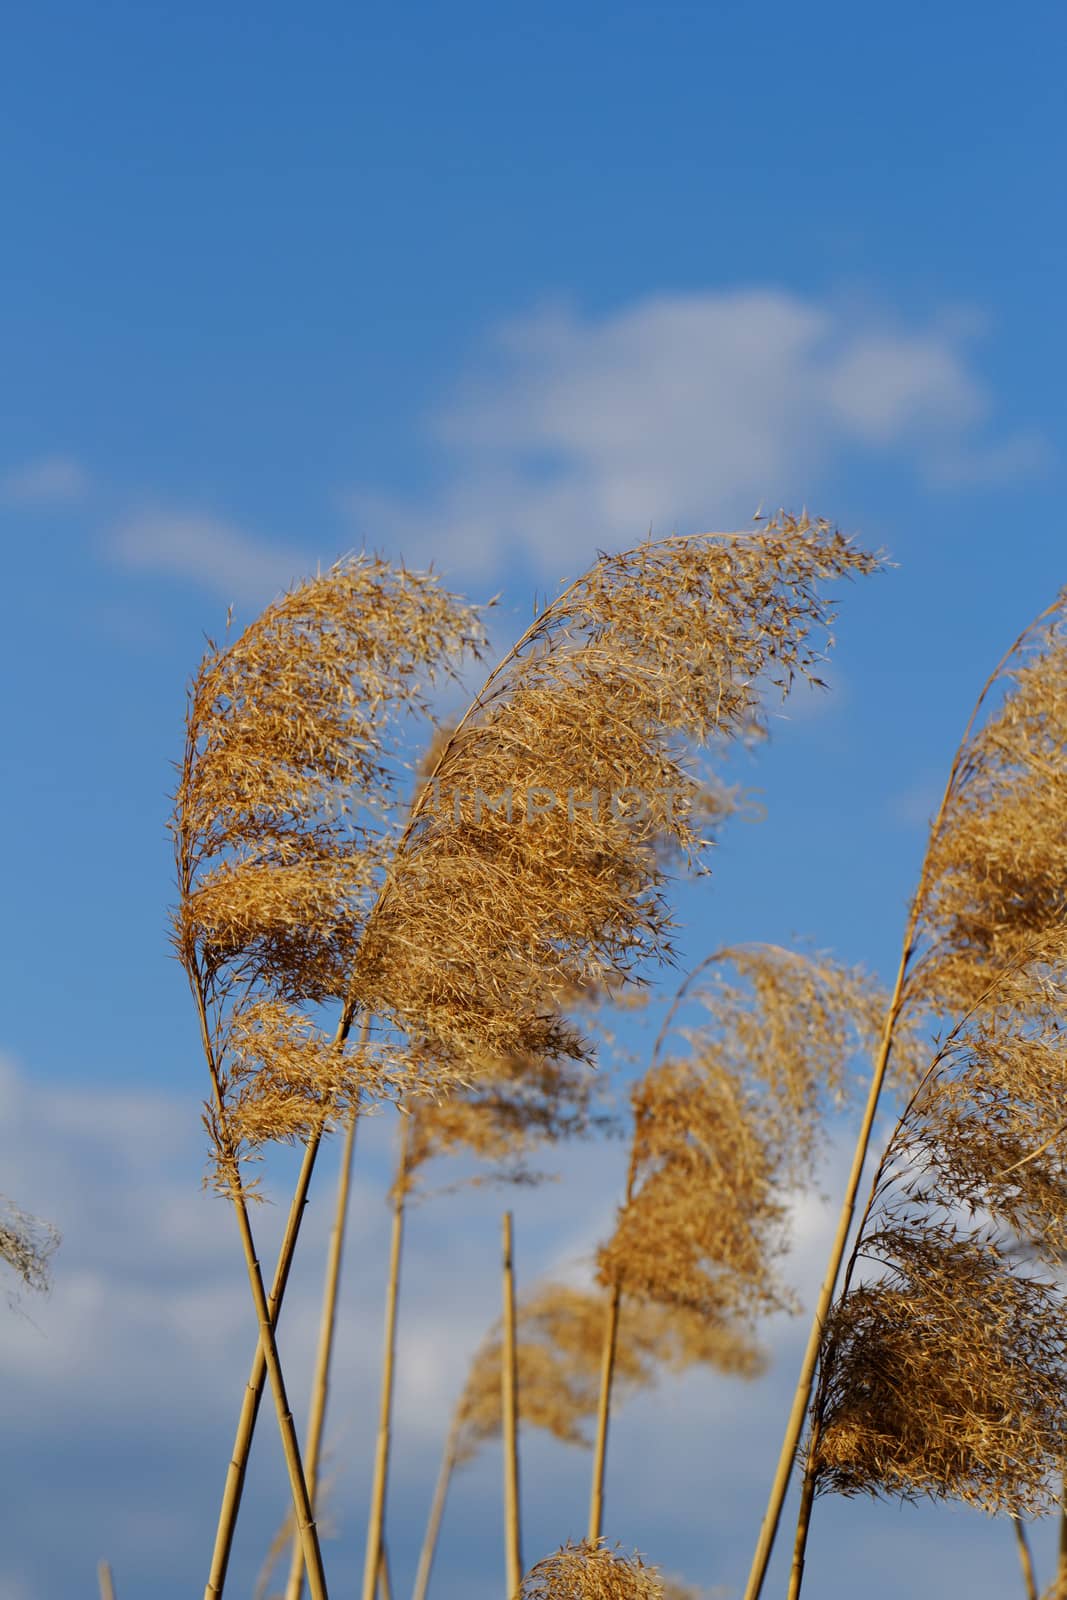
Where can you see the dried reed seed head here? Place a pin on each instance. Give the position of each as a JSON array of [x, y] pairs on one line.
[[281, 1075], [791, 1026], [26, 1244], [989, 1131], [997, 868], [282, 832], [653, 652], [282, 812], [559, 1350], [948, 1376], [592, 1572], [511, 1107], [704, 1227], [948, 1379], [721, 1134]]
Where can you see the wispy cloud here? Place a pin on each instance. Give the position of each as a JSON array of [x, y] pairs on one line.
[[206, 550], [48, 481], [577, 431]]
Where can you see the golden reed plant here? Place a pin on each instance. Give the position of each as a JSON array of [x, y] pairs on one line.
[[722, 1134], [287, 730], [991, 887], [653, 651], [944, 1371]]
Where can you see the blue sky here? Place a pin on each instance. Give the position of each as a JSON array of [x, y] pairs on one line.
[[491, 289]]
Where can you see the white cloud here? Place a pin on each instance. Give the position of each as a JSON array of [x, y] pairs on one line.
[[578, 432], [49, 481], [206, 550], [119, 1392]]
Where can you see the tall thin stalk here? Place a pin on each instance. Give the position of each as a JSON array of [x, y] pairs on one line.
[[1026, 1560], [509, 1396], [1061, 1565], [437, 1511], [385, 1581], [253, 1393], [305, 1521], [107, 1585], [805, 1381], [376, 1520], [320, 1387], [607, 1374]]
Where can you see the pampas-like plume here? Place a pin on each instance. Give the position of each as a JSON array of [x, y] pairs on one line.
[[26, 1245], [542, 818], [591, 1571], [992, 885], [720, 1136], [278, 842], [946, 1374]]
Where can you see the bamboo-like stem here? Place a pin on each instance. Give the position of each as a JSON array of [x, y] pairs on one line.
[[1026, 1560], [1061, 1565], [305, 1522], [807, 1500], [253, 1394], [385, 1582], [437, 1511], [509, 1394], [376, 1519], [320, 1388], [805, 1381], [107, 1583], [246, 1422], [607, 1375], [611, 1331]]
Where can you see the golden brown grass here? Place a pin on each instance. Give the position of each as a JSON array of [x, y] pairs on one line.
[[991, 886], [277, 844], [461, 931]]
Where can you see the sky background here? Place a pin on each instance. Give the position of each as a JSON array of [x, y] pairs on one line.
[[494, 289]]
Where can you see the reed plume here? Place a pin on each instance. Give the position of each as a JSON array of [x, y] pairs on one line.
[[288, 771], [991, 887], [721, 1135], [652, 652], [592, 1571]]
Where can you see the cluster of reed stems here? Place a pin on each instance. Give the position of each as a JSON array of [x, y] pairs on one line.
[[355, 938]]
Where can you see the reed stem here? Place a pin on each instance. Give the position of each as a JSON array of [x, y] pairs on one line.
[[320, 1387], [807, 1500], [107, 1583], [509, 1393], [607, 1374], [1026, 1560], [376, 1520], [437, 1511]]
